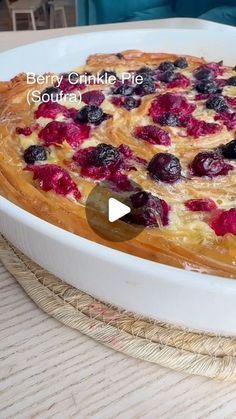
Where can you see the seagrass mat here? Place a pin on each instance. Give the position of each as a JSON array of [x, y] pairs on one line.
[[164, 344]]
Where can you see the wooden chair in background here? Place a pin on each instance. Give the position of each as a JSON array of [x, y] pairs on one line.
[[26, 7], [58, 7]]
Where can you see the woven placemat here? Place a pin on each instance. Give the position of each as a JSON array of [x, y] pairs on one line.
[[164, 344]]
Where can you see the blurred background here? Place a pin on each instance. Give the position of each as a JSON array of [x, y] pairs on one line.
[[41, 14]]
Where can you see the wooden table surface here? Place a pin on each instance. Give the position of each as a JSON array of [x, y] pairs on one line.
[[50, 371]]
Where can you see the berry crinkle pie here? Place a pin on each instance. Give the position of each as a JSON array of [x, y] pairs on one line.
[[172, 134]]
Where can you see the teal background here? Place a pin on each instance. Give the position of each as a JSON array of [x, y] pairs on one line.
[[91, 12]]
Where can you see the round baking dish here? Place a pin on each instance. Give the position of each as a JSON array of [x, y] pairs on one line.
[[190, 299]]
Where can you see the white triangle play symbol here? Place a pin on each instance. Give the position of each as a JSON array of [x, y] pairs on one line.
[[116, 209]]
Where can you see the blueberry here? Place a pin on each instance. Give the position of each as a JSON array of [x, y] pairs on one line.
[[146, 76], [35, 153], [146, 210], [90, 114], [95, 114], [86, 73], [229, 150], [103, 155], [140, 199], [107, 74], [217, 103], [231, 81], [168, 76], [65, 75], [146, 73], [124, 90], [145, 70], [53, 93], [146, 88], [170, 119], [165, 167], [119, 55], [207, 86], [204, 74], [74, 77], [209, 163], [130, 103], [166, 65], [181, 62]]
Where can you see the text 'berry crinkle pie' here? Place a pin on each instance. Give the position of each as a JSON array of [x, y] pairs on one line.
[[171, 131]]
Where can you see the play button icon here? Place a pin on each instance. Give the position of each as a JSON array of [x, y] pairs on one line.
[[116, 210], [107, 213]]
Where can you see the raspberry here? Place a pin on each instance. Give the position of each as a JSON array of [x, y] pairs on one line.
[[231, 101], [217, 68], [56, 132], [117, 101], [54, 178], [24, 131], [93, 97], [153, 135], [228, 119], [128, 154], [224, 222], [67, 87], [197, 128], [121, 183], [179, 81], [51, 110], [171, 102], [201, 96], [205, 204]]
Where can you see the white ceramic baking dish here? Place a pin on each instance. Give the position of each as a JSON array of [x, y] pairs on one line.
[[185, 298]]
